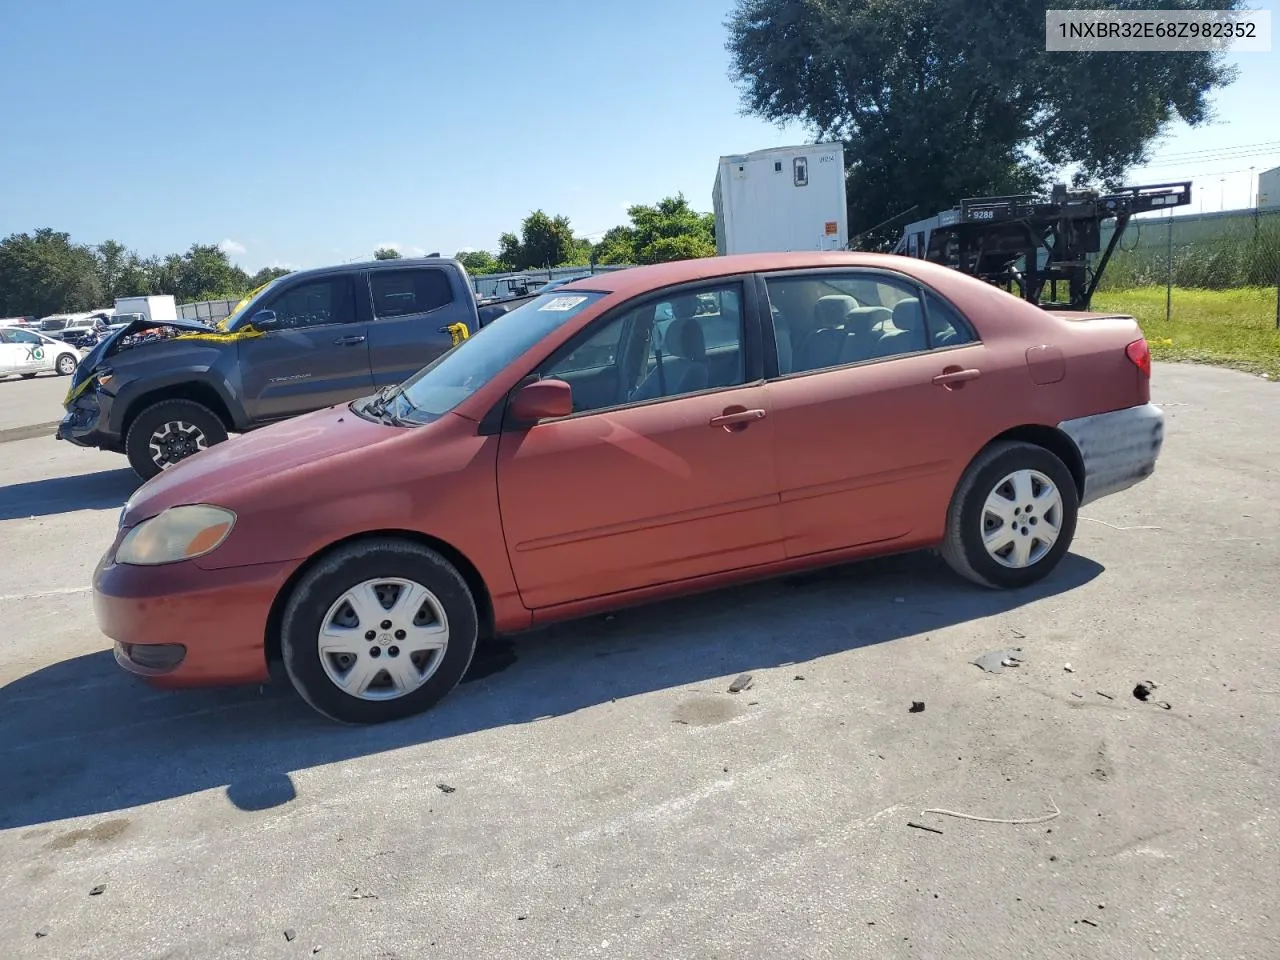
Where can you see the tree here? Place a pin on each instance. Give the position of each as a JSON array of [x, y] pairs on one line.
[[44, 273], [938, 100], [386, 253], [478, 262], [206, 273], [544, 241], [667, 230], [266, 275]]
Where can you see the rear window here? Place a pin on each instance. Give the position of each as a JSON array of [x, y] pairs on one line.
[[402, 293]]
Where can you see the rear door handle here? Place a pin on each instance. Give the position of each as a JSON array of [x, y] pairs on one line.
[[956, 376], [349, 341], [737, 417]]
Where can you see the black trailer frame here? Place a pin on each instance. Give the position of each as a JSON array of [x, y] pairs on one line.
[[1030, 246]]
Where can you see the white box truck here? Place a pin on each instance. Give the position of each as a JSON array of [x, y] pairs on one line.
[[781, 199], [154, 309]]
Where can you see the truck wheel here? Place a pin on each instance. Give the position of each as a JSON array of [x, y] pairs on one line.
[[1012, 517], [168, 432], [66, 364], [378, 630]]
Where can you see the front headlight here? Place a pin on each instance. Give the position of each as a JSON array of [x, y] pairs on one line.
[[180, 533]]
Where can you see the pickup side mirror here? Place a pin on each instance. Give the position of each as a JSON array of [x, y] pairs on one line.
[[264, 320], [541, 400]]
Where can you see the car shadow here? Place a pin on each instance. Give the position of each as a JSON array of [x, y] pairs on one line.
[[85, 491], [84, 738]]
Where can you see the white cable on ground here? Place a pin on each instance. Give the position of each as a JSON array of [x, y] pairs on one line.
[[970, 816]]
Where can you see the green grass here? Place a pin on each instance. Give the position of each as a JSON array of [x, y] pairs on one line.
[[1230, 328]]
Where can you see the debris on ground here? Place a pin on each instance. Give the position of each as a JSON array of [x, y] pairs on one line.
[[798, 677], [997, 660], [921, 826], [445, 788], [1080, 695], [1144, 690], [290, 934], [357, 894], [742, 683], [41, 933], [1067, 667], [1101, 694], [98, 890], [917, 706], [1021, 820], [1088, 921]]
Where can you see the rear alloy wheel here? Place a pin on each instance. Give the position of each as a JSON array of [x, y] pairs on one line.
[[1013, 516], [66, 365], [168, 432], [378, 630]]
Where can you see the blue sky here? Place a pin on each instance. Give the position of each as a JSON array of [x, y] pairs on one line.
[[305, 133]]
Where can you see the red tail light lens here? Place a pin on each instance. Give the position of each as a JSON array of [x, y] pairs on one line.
[[1140, 353]]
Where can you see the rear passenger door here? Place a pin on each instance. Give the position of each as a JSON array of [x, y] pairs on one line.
[[868, 447], [411, 308], [314, 354]]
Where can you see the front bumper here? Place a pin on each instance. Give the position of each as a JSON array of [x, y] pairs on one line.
[[1119, 448], [180, 625], [87, 424]]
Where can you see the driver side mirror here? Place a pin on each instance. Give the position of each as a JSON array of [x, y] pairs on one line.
[[264, 320], [542, 400]]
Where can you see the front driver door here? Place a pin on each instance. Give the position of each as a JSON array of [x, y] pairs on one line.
[[315, 353], [627, 493]]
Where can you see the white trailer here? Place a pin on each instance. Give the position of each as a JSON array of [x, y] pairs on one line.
[[155, 309], [781, 199]]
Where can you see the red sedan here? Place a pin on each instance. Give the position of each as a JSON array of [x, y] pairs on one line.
[[624, 438]]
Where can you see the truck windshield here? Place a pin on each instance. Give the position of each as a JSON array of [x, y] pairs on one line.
[[225, 323], [453, 376]]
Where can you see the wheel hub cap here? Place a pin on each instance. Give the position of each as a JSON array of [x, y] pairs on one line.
[[174, 441], [1021, 519], [383, 638]]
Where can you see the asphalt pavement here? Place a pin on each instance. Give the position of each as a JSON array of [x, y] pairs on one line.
[[31, 407], [594, 790]]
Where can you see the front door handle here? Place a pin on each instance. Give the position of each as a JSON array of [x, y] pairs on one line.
[[349, 341], [736, 417], [956, 375]]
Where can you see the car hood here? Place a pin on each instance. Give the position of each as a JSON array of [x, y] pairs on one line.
[[107, 344], [287, 453]]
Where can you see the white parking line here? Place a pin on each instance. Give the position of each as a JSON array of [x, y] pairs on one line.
[[60, 592]]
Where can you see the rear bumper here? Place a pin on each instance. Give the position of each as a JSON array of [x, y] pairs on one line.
[[1119, 448], [179, 625]]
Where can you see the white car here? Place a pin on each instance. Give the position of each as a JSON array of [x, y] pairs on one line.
[[27, 352]]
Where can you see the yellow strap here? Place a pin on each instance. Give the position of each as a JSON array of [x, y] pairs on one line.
[[459, 332]]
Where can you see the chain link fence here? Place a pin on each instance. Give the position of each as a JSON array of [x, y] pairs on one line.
[[1223, 251]]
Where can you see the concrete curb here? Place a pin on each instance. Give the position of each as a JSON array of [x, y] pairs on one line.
[[30, 430]]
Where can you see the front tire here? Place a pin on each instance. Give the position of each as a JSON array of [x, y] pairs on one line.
[[66, 365], [168, 432], [379, 630], [1012, 518]]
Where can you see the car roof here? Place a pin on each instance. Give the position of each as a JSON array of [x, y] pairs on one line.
[[635, 280]]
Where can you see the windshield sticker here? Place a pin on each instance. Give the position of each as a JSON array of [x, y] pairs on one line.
[[561, 304]]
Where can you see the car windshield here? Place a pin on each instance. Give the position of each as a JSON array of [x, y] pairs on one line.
[[453, 376]]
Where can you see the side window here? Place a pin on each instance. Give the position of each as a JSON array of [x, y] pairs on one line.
[[314, 303], [27, 337], [4, 336], [661, 349], [831, 320], [946, 327], [401, 293]]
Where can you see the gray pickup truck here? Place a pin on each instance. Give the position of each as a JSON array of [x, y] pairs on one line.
[[160, 392]]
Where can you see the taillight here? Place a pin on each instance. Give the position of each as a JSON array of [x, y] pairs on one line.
[[1140, 353]]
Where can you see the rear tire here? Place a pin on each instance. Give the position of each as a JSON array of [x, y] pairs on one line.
[[168, 432], [343, 634], [992, 538]]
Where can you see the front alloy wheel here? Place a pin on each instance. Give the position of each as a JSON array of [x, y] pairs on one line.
[[378, 629]]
